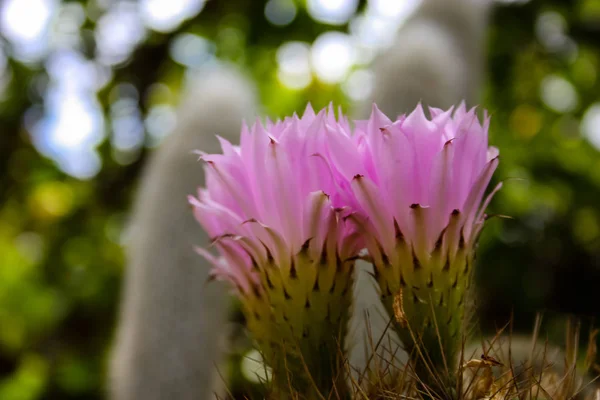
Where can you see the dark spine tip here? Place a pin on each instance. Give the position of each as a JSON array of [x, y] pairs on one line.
[[415, 205], [339, 265], [446, 267], [455, 212], [397, 231], [440, 240], [286, 295], [416, 263], [358, 176], [270, 257], [345, 291], [385, 259], [256, 316], [415, 298], [305, 245], [430, 281], [332, 287], [323, 260], [307, 303], [256, 291], [269, 283], [316, 287], [402, 282], [293, 272]]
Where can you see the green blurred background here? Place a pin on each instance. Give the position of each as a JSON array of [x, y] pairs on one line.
[[88, 89]]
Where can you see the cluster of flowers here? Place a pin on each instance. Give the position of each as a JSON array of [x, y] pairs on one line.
[[291, 208]]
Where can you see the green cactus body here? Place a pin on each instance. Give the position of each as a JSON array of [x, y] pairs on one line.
[[433, 289], [299, 319]]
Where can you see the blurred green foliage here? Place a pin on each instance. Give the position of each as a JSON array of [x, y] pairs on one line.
[[548, 255], [61, 258]]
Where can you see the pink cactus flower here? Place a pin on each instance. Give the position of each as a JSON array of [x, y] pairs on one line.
[[414, 176], [415, 188], [292, 206], [282, 243]]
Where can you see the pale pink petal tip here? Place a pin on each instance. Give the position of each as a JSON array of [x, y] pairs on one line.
[[271, 179], [372, 171], [438, 159]]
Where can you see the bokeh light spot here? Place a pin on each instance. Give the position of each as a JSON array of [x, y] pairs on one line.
[[192, 50], [67, 26], [160, 122], [128, 130], [72, 124], [332, 55], [395, 9], [71, 127], [359, 85], [550, 28], [293, 59], [280, 12], [166, 15], [118, 32], [334, 12], [590, 125], [559, 94], [51, 200], [25, 24]]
